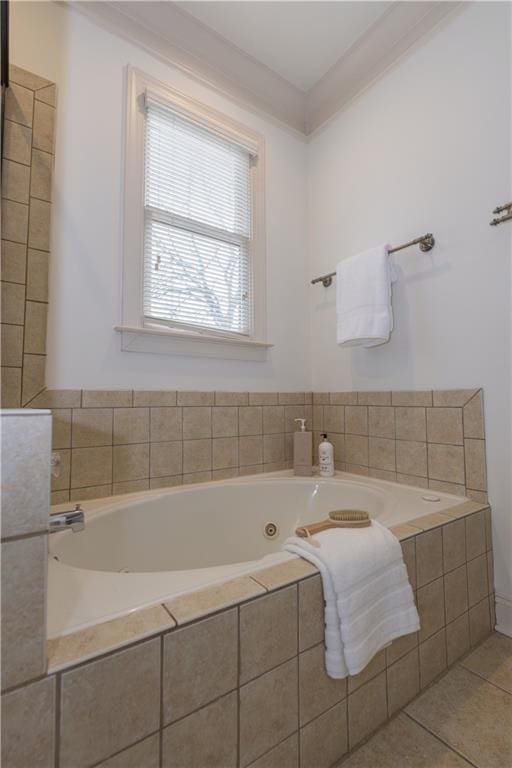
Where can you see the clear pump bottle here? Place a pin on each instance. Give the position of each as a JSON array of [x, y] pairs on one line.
[[302, 451]]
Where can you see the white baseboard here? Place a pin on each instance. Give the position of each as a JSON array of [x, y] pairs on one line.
[[504, 615]]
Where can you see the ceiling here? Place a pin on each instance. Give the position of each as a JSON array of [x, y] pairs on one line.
[[298, 40], [299, 62]]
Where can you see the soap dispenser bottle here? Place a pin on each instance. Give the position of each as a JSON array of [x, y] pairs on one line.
[[302, 451], [326, 457]]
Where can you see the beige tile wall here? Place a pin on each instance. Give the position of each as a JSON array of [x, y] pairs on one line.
[[25, 442], [118, 441], [27, 165], [433, 439], [246, 685]]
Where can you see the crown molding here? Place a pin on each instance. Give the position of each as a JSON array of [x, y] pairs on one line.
[[386, 41], [177, 38], [201, 53]]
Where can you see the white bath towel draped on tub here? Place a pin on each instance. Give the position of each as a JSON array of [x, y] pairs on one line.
[[368, 598]]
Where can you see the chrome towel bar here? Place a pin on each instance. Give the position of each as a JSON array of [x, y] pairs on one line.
[[500, 219], [425, 242]]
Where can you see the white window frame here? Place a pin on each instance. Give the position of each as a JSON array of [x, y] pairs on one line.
[[138, 335]]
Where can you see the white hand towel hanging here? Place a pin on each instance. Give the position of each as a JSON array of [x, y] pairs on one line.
[[364, 316]]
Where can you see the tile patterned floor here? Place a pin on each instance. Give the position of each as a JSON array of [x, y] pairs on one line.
[[462, 721]]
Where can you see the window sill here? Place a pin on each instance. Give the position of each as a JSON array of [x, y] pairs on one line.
[[168, 342]]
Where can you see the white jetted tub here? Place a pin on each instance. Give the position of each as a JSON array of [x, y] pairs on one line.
[[141, 548]]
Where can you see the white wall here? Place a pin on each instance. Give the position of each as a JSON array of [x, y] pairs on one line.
[[427, 148], [88, 65]]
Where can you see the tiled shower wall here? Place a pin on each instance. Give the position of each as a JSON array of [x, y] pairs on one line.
[[27, 164], [119, 441]]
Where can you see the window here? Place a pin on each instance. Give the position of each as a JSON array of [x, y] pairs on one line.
[[198, 221], [194, 261]]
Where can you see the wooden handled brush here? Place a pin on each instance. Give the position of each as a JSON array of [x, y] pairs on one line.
[[338, 518]]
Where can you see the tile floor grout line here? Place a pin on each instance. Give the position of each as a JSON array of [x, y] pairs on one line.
[[279, 743], [442, 741], [485, 679], [402, 711], [125, 749]]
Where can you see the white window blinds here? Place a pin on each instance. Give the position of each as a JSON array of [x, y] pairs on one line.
[[197, 255]]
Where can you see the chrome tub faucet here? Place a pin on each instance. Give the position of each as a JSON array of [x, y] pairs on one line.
[[62, 521]]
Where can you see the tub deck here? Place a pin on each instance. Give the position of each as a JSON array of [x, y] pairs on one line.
[[91, 610]]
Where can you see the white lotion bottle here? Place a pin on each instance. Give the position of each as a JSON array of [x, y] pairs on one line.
[[326, 457]]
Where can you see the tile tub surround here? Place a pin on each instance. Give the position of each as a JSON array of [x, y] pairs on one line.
[[27, 166], [233, 675], [25, 442], [433, 439], [118, 441]]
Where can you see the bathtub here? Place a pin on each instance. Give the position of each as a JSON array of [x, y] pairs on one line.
[[141, 548]]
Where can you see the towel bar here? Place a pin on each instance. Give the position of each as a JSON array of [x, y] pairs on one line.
[[501, 209], [426, 243]]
